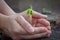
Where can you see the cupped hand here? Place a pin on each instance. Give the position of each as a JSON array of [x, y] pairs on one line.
[[12, 28], [39, 23], [42, 30], [17, 27], [38, 19]]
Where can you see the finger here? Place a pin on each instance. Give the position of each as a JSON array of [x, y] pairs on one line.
[[49, 27], [39, 25], [40, 29], [17, 29], [39, 15], [44, 22], [25, 24], [36, 14], [34, 36]]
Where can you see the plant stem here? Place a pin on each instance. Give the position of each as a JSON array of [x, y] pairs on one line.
[[30, 14], [30, 19]]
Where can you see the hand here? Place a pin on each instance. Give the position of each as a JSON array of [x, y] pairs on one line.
[[12, 24], [12, 28], [39, 31], [37, 20]]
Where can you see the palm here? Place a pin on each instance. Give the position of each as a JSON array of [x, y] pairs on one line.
[[34, 21], [38, 20]]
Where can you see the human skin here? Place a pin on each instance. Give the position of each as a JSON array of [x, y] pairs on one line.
[[15, 30], [12, 15], [5, 9]]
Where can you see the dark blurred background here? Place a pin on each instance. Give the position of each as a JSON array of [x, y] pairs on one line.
[[21, 5]]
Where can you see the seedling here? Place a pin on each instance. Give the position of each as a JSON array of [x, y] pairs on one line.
[[30, 13], [45, 11]]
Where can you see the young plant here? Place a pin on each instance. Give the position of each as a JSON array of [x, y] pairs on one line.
[[45, 11], [30, 13]]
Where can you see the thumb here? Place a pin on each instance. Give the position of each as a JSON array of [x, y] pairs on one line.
[[28, 27]]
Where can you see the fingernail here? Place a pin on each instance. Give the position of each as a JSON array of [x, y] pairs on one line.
[[49, 28], [48, 34]]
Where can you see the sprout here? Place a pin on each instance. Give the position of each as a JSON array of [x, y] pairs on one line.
[[30, 13]]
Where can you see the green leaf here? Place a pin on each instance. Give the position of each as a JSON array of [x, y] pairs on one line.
[[30, 11], [44, 10]]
